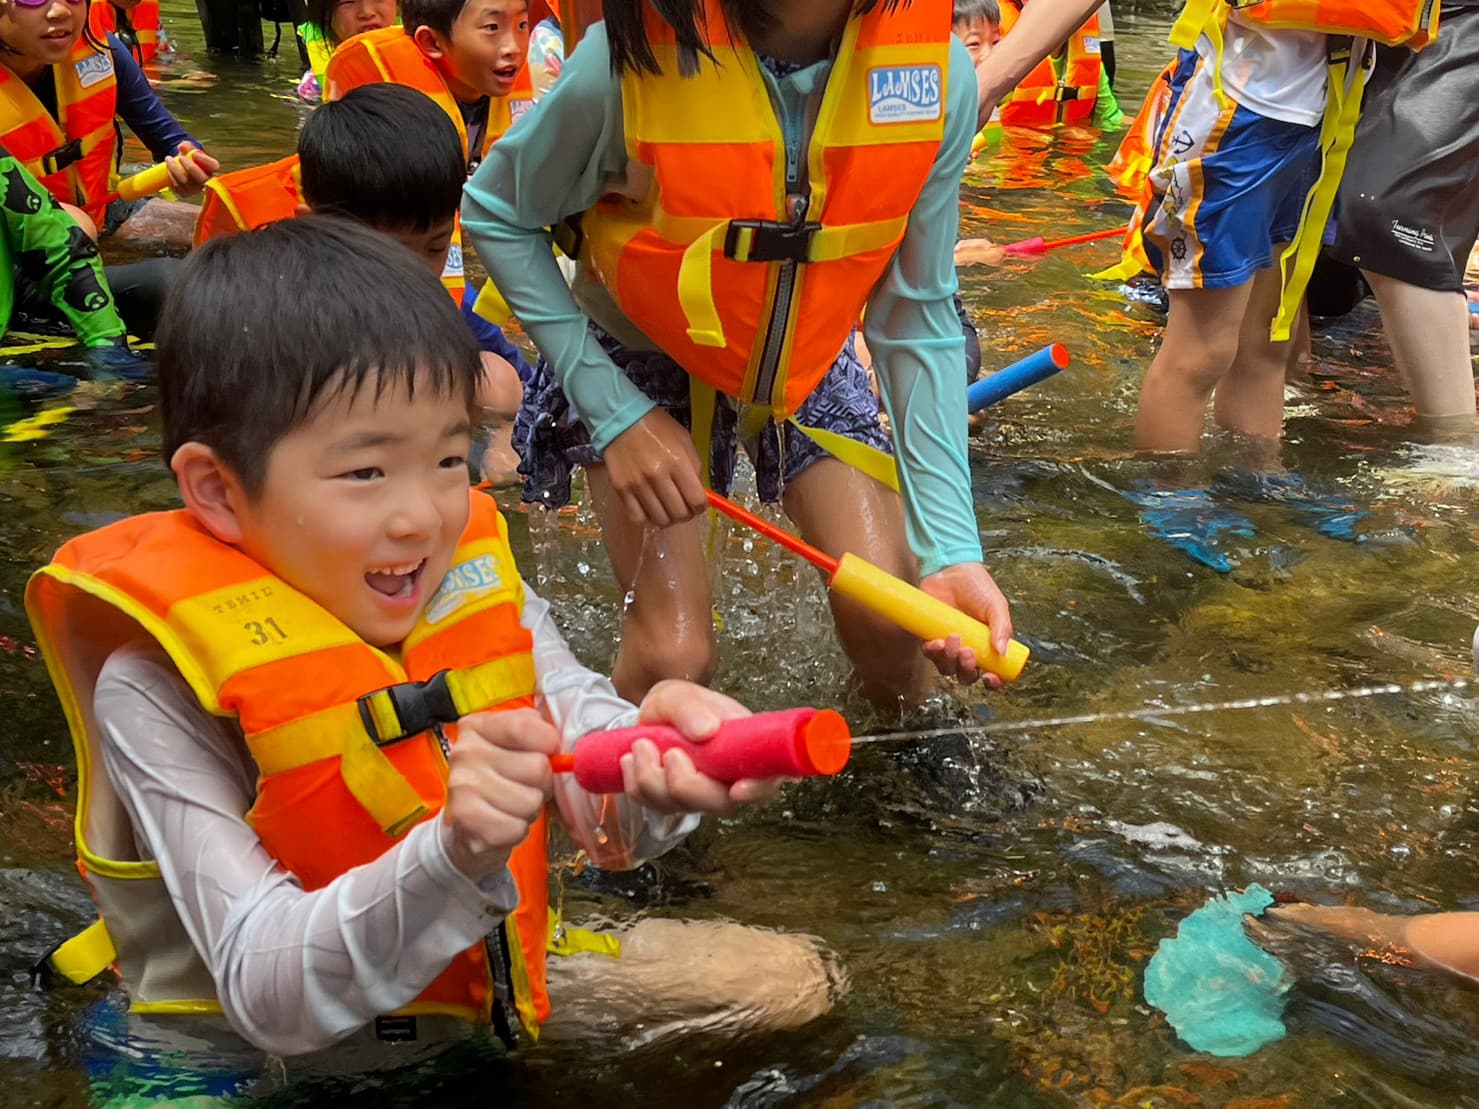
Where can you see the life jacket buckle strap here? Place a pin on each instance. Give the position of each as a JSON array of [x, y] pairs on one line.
[[401, 711], [62, 157], [757, 240]]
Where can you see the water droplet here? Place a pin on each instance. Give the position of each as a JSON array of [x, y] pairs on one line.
[[880, 887]]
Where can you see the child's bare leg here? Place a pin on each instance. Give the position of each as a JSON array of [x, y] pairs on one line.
[[1428, 332], [842, 510], [166, 223], [81, 218], [1250, 397], [668, 629], [1301, 351], [1199, 347]]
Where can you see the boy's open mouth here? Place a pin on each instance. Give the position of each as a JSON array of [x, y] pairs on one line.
[[506, 73], [397, 580]]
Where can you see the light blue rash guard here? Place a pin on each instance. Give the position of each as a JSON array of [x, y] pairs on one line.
[[561, 157]]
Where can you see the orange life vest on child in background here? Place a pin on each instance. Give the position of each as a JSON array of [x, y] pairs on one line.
[[246, 199], [74, 159], [752, 291], [102, 19], [1045, 97], [390, 55], [346, 764]]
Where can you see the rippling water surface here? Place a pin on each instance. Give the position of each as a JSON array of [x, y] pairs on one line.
[[994, 903]]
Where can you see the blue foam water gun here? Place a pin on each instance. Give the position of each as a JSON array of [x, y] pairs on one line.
[[1016, 377]]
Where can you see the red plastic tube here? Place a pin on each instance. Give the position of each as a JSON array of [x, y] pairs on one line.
[[1037, 245], [799, 743]]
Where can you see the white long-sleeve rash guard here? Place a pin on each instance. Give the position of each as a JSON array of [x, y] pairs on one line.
[[297, 971]]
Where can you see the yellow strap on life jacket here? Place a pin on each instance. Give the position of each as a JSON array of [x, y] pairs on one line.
[[491, 306], [566, 940], [86, 955], [704, 399], [378, 786], [1346, 85], [705, 237], [1204, 17]]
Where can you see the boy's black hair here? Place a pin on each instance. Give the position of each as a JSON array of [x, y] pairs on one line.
[[264, 327], [968, 11], [627, 34], [384, 155], [439, 15]]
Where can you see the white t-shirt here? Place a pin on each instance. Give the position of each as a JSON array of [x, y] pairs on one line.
[[1279, 74]]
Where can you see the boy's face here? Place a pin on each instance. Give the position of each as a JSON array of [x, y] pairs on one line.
[[979, 37], [430, 246], [363, 505], [489, 45]]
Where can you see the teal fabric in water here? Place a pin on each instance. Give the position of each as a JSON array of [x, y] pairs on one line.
[[1221, 993]]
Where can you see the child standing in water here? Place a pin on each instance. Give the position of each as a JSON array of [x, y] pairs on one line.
[[329, 23], [751, 177], [60, 93]]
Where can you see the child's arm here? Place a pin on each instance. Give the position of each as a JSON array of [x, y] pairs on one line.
[[46, 246], [914, 334], [1039, 30], [1445, 941], [141, 109], [557, 164], [296, 971], [665, 794]]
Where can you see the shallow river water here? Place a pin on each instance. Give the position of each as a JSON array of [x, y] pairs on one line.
[[994, 903]]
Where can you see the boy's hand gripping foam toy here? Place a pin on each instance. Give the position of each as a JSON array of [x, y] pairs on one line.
[[799, 743]]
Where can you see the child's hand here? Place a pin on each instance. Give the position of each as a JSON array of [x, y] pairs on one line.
[[190, 169], [978, 252], [670, 783], [653, 468], [498, 780], [970, 589]]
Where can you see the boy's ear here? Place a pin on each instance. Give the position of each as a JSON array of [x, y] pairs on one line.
[[302, 210], [211, 491], [432, 44]]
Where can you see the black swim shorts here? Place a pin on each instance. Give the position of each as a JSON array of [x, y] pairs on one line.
[[1409, 202]]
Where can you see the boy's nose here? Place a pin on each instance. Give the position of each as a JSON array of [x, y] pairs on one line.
[[414, 517]]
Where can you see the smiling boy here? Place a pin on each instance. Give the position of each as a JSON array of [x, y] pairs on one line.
[[274, 827]]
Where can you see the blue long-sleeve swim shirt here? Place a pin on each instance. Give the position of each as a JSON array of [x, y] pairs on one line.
[[562, 156]]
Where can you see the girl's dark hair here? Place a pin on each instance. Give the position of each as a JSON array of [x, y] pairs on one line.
[[627, 32], [385, 155], [262, 328], [320, 13]]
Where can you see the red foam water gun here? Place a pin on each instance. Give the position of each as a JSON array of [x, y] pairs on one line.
[[798, 743], [1037, 245]]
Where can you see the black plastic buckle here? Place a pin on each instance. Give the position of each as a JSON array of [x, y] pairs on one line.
[[62, 157], [569, 236], [771, 241], [419, 706]]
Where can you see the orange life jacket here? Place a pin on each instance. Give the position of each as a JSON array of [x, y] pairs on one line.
[[1410, 23], [752, 291], [245, 199], [346, 766], [390, 55], [1044, 97], [102, 19], [73, 158]]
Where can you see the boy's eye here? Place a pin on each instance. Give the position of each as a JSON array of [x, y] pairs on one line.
[[453, 462], [365, 473]]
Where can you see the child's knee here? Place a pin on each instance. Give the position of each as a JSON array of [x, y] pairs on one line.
[[672, 648], [82, 219]]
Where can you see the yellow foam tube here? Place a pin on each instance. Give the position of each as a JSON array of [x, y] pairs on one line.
[[916, 611], [147, 182]]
